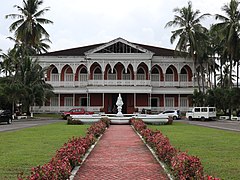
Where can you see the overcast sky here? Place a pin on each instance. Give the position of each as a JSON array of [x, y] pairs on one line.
[[85, 22]]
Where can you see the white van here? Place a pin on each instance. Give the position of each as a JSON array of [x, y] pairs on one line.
[[201, 113]]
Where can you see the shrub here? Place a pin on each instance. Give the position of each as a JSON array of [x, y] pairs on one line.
[[138, 124], [186, 167], [106, 120], [71, 121], [68, 156], [182, 165]]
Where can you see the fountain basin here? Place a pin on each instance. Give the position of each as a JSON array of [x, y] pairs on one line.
[[125, 119], [153, 118], [88, 118]]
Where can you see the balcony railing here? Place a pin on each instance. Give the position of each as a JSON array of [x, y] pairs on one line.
[[121, 83]]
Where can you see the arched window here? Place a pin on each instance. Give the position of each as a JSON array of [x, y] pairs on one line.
[[126, 76], [141, 74], [183, 75], [169, 74], [155, 74], [112, 75], [97, 74], [68, 74], [83, 74], [54, 74]]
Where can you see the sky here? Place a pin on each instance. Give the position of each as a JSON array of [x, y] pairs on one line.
[[84, 22]]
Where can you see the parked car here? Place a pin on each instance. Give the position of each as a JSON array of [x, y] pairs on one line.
[[76, 111], [174, 113], [201, 113], [6, 116]]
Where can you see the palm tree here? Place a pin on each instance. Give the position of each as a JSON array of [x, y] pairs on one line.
[[28, 27], [217, 43], [230, 28], [226, 79], [31, 76], [190, 31], [10, 61]]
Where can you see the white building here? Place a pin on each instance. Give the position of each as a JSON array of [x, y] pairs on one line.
[[92, 76]]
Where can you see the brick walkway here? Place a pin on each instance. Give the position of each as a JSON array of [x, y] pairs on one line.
[[120, 154]]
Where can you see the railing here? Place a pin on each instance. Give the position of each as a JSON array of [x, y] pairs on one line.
[[121, 83], [96, 109], [58, 109]]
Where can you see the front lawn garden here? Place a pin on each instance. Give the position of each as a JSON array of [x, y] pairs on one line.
[[21, 150], [218, 150]]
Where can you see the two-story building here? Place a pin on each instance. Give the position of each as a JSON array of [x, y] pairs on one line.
[[92, 77]]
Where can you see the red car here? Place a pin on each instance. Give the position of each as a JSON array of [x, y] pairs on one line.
[[76, 111]]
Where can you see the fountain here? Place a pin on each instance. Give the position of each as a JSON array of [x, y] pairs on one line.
[[121, 118], [119, 104]]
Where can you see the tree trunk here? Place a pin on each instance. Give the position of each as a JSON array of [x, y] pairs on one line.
[[230, 74], [203, 78], [13, 104], [237, 72]]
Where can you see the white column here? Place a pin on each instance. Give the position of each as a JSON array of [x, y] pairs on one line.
[[59, 102], [164, 102], [179, 101], [103, 96], [74, 96]]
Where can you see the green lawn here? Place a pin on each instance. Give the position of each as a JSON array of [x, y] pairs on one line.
[[48, 115], [218, 150], [23, 149]]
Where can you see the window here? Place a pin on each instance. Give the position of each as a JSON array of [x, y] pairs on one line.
[[68, 74], [83, 101], [183, 75], [141, 74], [155, 74], [126, 76], [154, 102], [204, 110], [83, 75], [97, 74], [169, 102], [197, 110], [211, 109], [54, 75], [112, 76], [183, 102], [169, 74], [68, 101], [54, 101]]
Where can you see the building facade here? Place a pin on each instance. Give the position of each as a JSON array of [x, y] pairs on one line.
[[92, 76]]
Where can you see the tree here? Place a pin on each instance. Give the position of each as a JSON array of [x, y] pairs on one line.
[[31, 77], [190, 31], [28, 29], [230, 28], [226, 79], [10, 61]]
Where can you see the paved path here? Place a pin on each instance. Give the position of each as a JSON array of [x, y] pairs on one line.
[[120, 154]]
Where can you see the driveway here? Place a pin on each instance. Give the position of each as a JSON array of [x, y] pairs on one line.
[[21, 124], [219, 124]]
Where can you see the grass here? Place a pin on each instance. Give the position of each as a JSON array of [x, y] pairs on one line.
[[218, 150], [23, 149], [48, 115]]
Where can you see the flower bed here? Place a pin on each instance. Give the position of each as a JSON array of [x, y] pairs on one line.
[[69, 155], [181, 165]]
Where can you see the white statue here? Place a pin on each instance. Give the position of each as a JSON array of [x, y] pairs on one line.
[[119, 104]]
